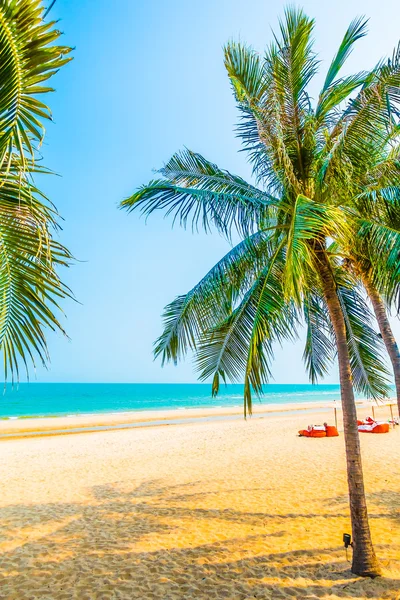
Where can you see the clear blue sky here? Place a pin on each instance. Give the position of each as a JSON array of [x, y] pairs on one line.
[[146, 80]]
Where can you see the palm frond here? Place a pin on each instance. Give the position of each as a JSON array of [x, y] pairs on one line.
[[197, 190], [246, 73], [370, 376], [295, 60], [319, 351], [30, 288], [337, 93], [309, 221], [380, 246], [362, 132], [356, 30], [211, 300], [242, 345], [28, 58]]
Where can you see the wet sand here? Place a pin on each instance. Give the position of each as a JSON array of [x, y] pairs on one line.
[[227, 509]]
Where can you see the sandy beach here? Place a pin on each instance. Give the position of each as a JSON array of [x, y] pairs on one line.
[[218, 509]]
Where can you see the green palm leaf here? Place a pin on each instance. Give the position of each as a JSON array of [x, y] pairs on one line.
[[28, 58], [309, 222], [356, 30], [242, 343], [370, 375], [210, 301], [381, 253], [30, 288], [197, 190], [319, 351]]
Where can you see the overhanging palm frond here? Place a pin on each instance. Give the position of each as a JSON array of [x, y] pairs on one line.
[[197, 190], [28, 57], [29, 285], [211, 300], [242, 343]]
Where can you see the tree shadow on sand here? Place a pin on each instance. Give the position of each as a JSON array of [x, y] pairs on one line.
[[95, 551], [388, 500]]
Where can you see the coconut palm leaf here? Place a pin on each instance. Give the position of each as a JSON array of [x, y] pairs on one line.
[[246, 73], [335, 95], [30, 288], [319, 351], [362, 131], [197, 190], [356, 30], [380, 249], [211, 300], [28, 58], [243, 342], [293, 59], [273, 100], [310, 221], [369, 373]]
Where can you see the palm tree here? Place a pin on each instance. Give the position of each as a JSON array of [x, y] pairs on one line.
[[386, 332], [30, 287], [308, 162], [374, 258], [365, 270]]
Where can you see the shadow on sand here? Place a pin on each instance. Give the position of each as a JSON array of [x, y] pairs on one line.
[[95, 551]]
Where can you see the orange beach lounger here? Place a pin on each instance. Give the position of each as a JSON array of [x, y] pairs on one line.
[[319, 431]]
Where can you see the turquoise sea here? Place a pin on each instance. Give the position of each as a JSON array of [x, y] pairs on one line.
[[56, 399]]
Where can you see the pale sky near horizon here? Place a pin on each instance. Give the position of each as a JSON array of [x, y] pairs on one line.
[[148, 79]]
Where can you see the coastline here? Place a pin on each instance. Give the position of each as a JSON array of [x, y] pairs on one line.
[[82, 423]]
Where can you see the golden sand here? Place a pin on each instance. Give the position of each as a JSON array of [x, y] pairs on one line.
[[231, 509]]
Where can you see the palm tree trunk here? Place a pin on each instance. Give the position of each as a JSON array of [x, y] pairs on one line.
[[364, 562], [386, 332]]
